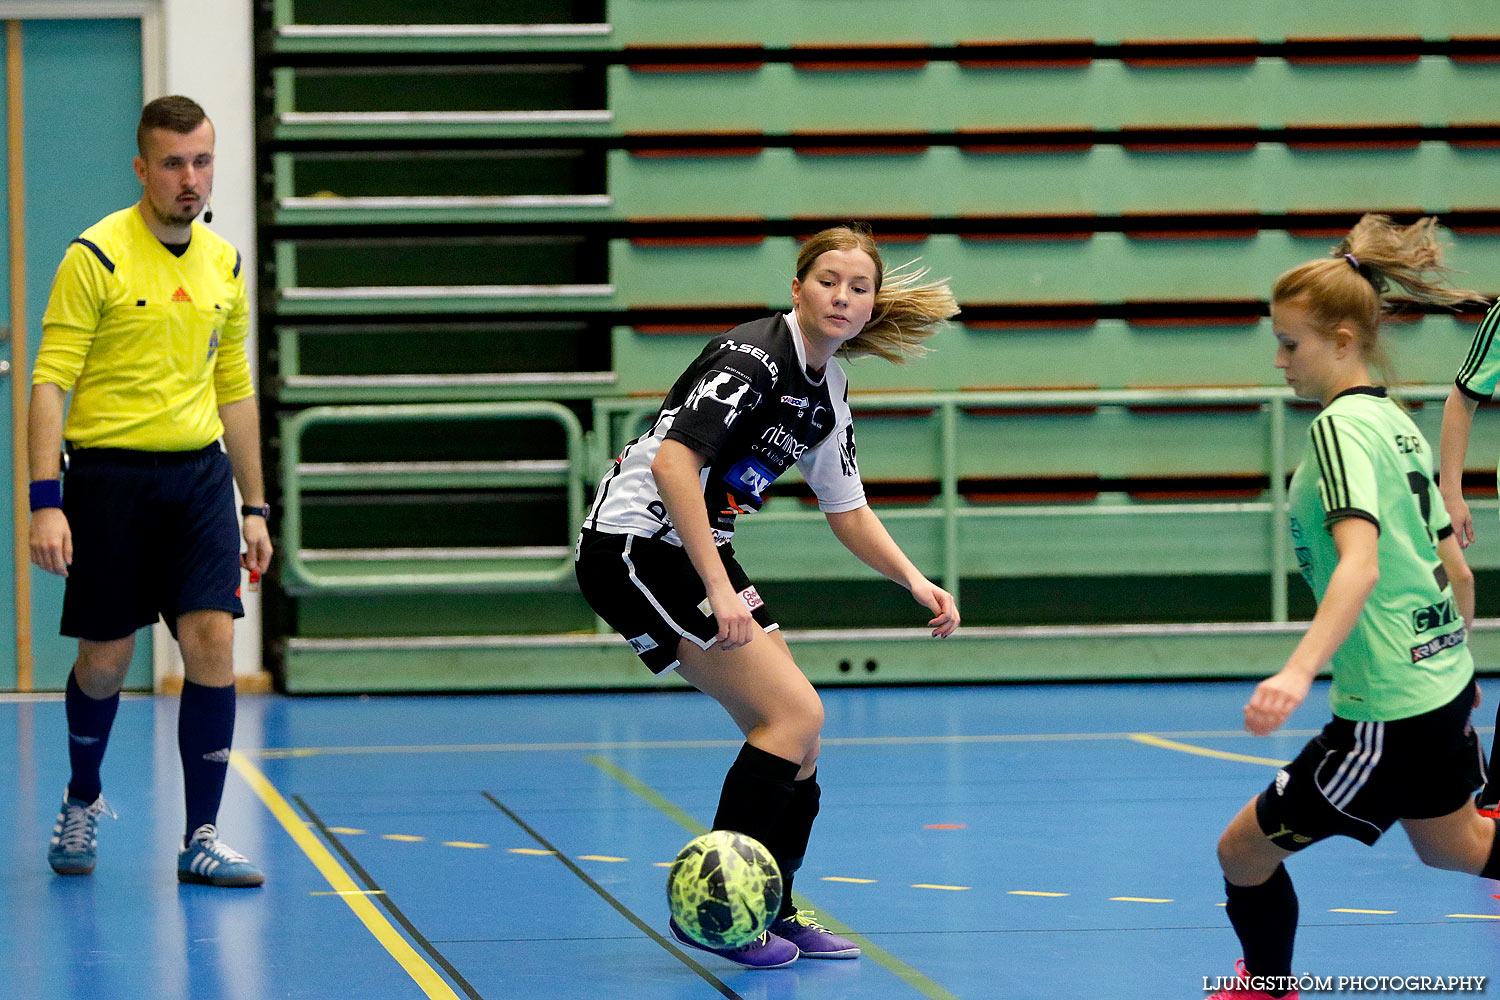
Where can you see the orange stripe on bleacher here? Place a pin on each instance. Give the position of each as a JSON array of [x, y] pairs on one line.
[[1195, 139], [823, 64], [1059, 139], [1334, 51], [811, 146], [1184, 58], [1029, 55], [1474, 136], [1491, 43], [1344, 137], [751, 145]]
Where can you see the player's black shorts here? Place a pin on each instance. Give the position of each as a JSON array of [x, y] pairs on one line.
[[154, 533], [1357, 778], [649, 592]]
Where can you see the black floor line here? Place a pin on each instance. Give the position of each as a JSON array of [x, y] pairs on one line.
[[623, 910], [385, 901]]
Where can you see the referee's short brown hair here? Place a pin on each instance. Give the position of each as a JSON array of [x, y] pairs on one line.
[[174, 113]]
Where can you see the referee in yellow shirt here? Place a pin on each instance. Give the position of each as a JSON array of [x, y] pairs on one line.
[[146, 327]]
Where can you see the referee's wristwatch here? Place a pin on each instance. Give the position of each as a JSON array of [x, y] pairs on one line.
[[264, 510]]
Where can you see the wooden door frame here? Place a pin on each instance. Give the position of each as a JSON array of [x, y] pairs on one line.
[[153, 78]]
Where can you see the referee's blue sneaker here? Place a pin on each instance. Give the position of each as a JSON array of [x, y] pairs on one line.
[[74, 849], [766, 952], [812, 939], [207, 860]]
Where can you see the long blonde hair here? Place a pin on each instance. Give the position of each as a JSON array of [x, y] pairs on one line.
[[1349, 287], [907, 310]]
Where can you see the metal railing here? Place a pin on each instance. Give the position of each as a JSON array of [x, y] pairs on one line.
[[618, 420], [435, 570], [448, 569]]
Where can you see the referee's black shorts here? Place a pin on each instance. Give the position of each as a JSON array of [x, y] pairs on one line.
[[1356, 779], [154, 534], [648, 592]]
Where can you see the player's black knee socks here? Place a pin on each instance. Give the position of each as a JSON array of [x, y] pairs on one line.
[[1491, 867], [1265, 918], [756, 793], [89, 722], [205, 729], [792, 835]]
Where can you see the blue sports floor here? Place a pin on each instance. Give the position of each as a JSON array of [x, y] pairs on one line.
[[1013, 842]]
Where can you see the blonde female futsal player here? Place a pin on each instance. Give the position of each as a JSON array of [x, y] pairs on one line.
[[655, 560], [1394, 596]]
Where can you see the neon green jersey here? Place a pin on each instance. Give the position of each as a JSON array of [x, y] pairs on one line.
[[1407, 654], [1480, 373], [151, 344]]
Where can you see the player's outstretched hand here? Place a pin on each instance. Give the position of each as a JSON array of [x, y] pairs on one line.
[[941, 604], [1275, 698], [1463, 520], [257, 555], [737, 625], [51, 540]]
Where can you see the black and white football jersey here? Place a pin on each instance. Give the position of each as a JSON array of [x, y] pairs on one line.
[[750, 407]]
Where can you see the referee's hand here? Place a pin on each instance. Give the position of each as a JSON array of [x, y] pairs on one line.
[[257, 555], [51, 540]]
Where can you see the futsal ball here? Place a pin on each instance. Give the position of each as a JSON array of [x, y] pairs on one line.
[[724, 889]]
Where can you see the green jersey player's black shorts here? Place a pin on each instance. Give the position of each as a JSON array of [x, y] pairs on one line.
[[648, 591], [1355, 779]]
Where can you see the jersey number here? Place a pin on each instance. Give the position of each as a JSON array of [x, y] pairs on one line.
[[1421, 486]]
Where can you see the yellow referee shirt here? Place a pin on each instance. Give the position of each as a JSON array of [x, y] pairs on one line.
[[151, 344]]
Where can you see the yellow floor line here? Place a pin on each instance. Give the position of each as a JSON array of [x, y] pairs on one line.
[[1476, 916], [1137, 899], [947, 888], [426, 978], [1343, 909], [1165, 744], [1029, 892], [852, 881]]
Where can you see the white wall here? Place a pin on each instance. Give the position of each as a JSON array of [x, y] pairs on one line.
[[206, 54]]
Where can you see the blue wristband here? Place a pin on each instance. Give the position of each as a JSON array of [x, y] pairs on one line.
[[46, 493]]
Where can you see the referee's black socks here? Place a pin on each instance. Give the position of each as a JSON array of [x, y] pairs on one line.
[[205, 730], [89, 723], [1265, 919], [758, 794]]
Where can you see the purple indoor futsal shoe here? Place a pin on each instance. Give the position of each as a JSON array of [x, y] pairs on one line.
[[766, 952], [812, 939]]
